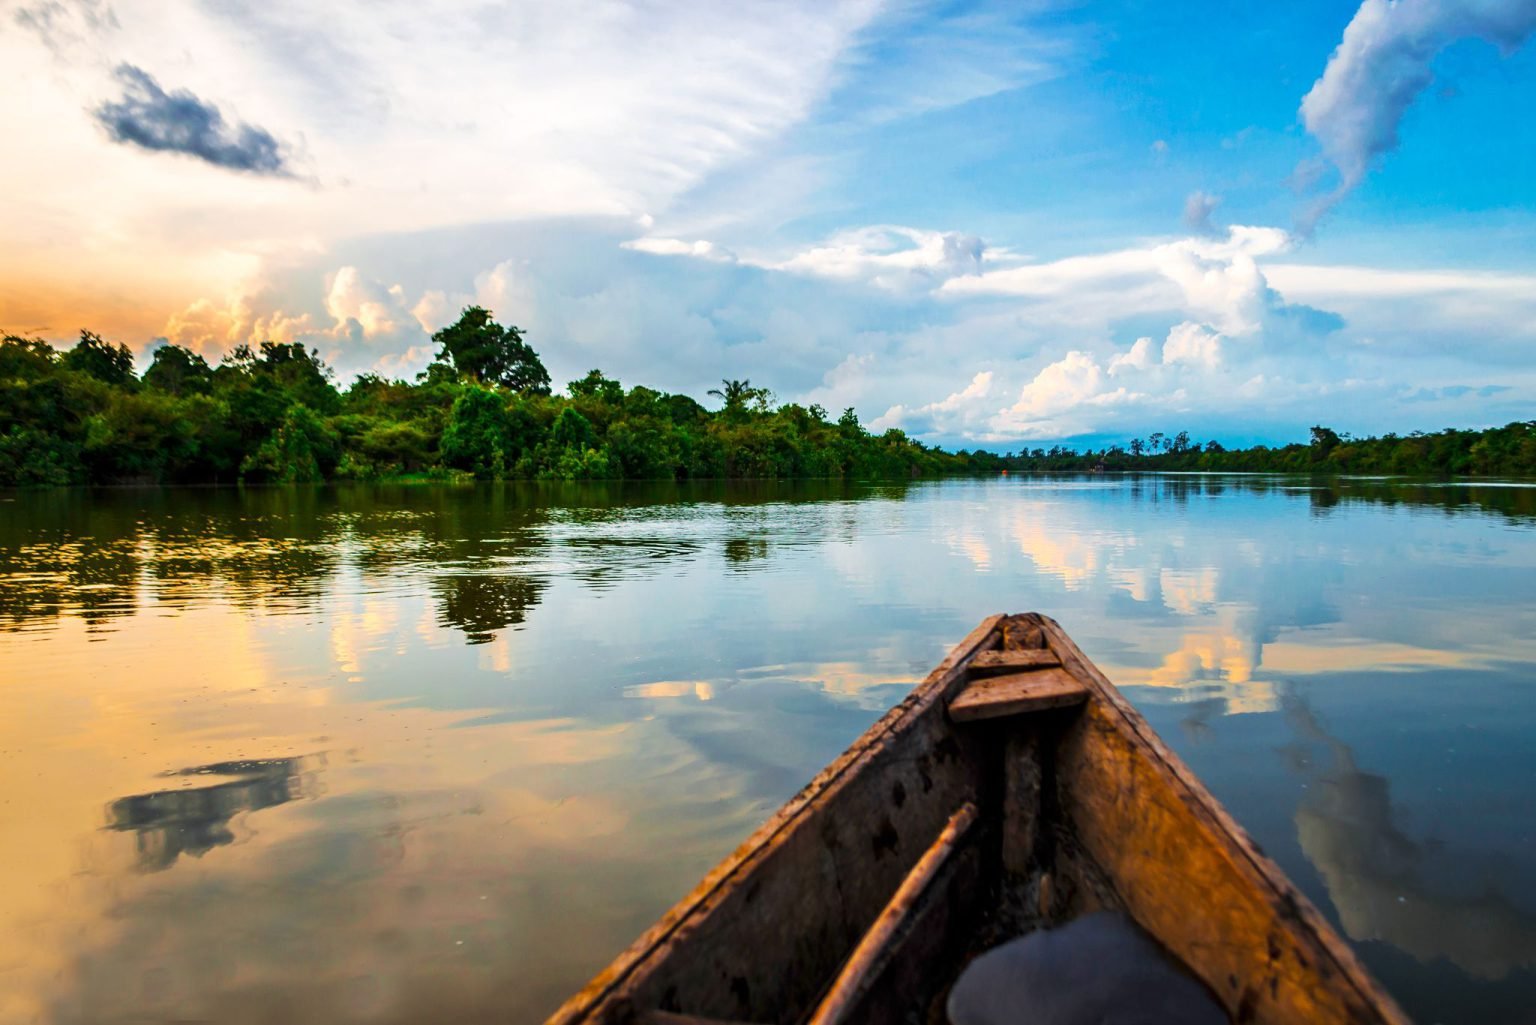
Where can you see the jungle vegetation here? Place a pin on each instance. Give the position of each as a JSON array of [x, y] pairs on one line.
[[1508, 451], [484, 408]]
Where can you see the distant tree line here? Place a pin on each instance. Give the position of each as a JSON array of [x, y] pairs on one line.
[[484, 408], [1508, 451]]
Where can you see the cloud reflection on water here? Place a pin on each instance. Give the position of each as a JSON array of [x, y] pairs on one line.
[[1347, 830]]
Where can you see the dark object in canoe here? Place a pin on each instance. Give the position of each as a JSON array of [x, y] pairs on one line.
[[1099, 969], [1013, 789]]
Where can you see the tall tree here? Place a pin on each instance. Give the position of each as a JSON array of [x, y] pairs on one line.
[[101, 360], [482, 349], [178, 371], [736, 395]]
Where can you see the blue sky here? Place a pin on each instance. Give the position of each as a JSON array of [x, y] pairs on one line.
[[987, 224]]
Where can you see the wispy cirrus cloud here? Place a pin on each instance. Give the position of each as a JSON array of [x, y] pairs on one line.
[[892, 257], [63, 25], [1381, 66], [178, 122]]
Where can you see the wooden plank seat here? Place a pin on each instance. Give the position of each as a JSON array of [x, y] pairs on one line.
[[1000, 663], [993, 697]]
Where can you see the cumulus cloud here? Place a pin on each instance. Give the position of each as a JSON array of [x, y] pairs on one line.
[[956, 414], [178, 122], [846, 383], [1381, 66], [364, 309], [1054, 402], [212, 328], [1230, 335], [1216, 279], [1194, 344], [1139, 357], [361, 324]]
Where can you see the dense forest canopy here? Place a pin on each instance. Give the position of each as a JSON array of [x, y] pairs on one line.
[[484, 408]]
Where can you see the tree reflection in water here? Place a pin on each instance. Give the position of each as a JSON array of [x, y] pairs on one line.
[[194, 820], [483, 604]]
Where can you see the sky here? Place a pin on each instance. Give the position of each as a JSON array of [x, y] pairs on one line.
[[992, 225]]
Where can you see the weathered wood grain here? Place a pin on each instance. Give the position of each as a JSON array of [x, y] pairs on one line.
[[992, 697], [995, 663]]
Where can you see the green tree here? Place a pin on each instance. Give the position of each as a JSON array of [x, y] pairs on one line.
[[848, 425], [300, 373], [736, 395], [597, 386], [26, 358], [303, 449], [1324, 440], [482, 349], [572, 430], [477, 437], [112, 364], [178, 371]]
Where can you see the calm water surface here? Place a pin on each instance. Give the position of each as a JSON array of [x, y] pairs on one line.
[[394, 755]]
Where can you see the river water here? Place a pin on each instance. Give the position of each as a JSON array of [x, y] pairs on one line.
[[403, 754]]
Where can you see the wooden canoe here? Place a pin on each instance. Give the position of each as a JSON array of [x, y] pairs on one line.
[[1013, 789]]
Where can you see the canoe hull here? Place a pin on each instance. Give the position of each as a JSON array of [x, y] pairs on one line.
[[1082, 807]]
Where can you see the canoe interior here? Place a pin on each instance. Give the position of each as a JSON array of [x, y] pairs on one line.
[[1077, 806]]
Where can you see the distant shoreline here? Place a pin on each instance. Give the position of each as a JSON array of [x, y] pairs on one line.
[[274, 415]]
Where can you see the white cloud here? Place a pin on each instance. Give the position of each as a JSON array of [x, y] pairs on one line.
[[957, 414], [1192, 343], [888, 256], [213, 328], [364, 309], [1479, 318], [365, 325], [1216, 280], [1185, 333], [844, 384], [891, 256], [926, 63], [1138, 357], [1381, 66], [700, 249], [1055, 402]]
